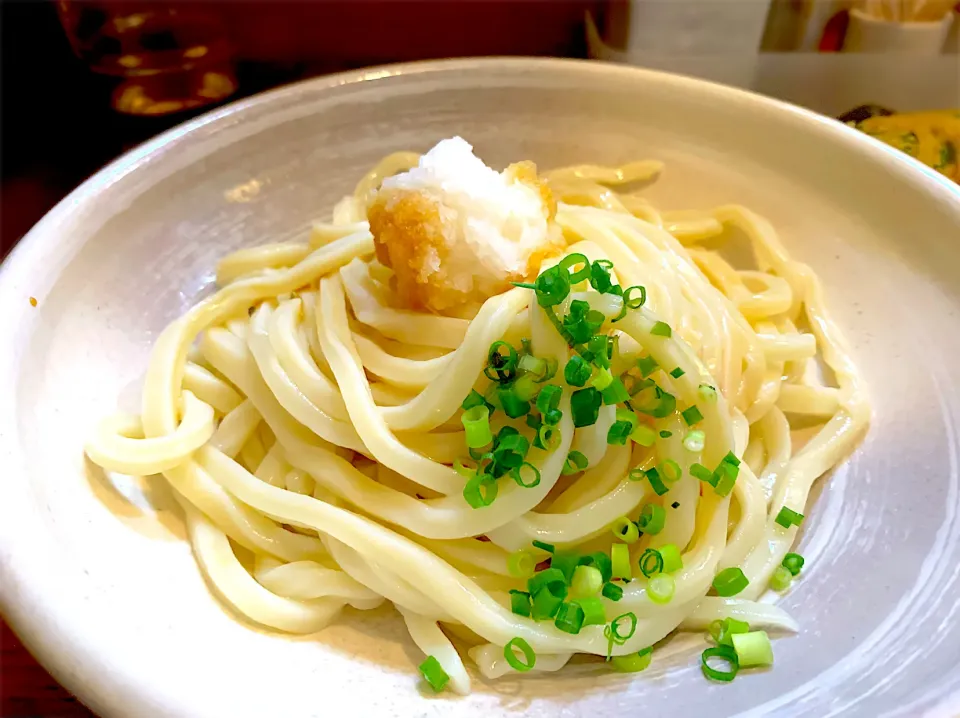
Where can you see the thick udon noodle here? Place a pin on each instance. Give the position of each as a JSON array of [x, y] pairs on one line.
[[301, 418]]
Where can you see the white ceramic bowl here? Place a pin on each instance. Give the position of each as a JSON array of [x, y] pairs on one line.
[[97, 577]]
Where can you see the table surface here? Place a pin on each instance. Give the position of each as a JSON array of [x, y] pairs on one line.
[[26, 689]]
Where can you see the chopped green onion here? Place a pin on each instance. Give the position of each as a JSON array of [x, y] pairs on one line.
[[691, 415], [602, 379], [715, 629], [501, 368], [631, 302], [463, 469], [490, 396], [552, 287], [566, 562], [587, 581], [601, 561], [707, 393], [652, 519], [656, 483], [694, 440], [677, 372], [612, 591], [702, 473], [724, 485], [475, 398], [634, 384], [600, 276], [513, 405], [577, 371], [600, 349], [625, 530], [582, 322], [550, 371], [547, 602], [569, 618], [659, 404], [621, 314], [575, 462], [476, 426], [548, 437], [433, 674], [661, 329], [788, 517], [634, 662], [520, 602], [731, 459], [549, 398], [672, 560], [725, 653], [585, 406], [725, 476], [581, 274], [753, 649], [651, 562], [549, 576], [526, 387], [509, 440], [670, 471], [722, 630], [615, 392], [648, 400], [529, 657], [548, 547], [647, 365], [480, 491], [521, 564], [730, 582], [552, 417], [793, 562], [781, 579], [627, 415], [666, 434], [618, 637], [613, 347], [644, 435], [620, 561], [480, 454], [533, 365], [594, 614], [619, 432], [516, 473], [660, 588]]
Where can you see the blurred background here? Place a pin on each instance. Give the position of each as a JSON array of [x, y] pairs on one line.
[[85, 80]]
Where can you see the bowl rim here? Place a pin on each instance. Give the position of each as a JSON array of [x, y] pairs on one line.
[[103, 691]]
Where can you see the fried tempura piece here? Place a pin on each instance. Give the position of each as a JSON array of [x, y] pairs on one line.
[[456, 232]]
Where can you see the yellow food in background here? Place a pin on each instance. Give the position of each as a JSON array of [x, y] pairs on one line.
[[931, 137]]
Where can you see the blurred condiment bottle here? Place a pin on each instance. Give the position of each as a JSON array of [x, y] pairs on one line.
[[179, 55], [720, 36], [170, 56]]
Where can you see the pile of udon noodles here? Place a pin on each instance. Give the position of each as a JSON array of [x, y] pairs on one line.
[[309, 428]]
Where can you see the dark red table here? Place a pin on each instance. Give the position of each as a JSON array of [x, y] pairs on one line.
[[26, 689]]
